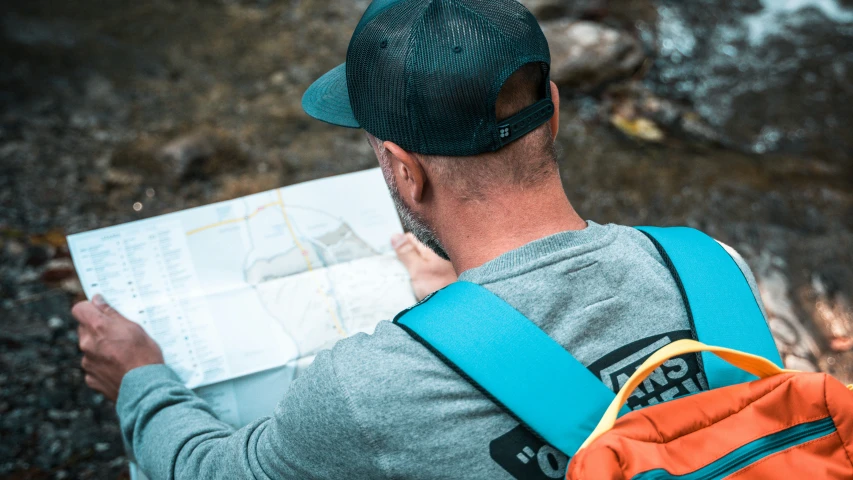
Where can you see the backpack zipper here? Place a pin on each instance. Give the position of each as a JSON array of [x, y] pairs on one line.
[[749, 453]]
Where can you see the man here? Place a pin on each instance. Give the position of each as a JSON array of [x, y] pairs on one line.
[[455, 97]]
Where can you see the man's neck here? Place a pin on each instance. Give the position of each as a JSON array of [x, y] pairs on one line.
[[479, 231]]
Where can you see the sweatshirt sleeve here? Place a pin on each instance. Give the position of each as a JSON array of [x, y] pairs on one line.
[[174, 434]]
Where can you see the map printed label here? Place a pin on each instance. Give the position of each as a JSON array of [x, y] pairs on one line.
[[147, 275]]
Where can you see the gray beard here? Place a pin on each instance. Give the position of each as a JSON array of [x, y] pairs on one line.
[[412, 221]]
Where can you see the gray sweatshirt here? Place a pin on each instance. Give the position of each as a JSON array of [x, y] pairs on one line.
[[382, 406]]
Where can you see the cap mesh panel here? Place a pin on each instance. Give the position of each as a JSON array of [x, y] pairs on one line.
[[426, 73]]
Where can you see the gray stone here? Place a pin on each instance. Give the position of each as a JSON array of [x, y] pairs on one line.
[[37, 255], [202, 154], [57, 270], [798, 363], [629, 102], [552, 9], [15, 248], [55, 323], [547, 9], [584, 55], [184, 151]]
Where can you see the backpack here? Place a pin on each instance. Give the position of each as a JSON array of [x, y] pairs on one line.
[[785, 425], [492, 345]]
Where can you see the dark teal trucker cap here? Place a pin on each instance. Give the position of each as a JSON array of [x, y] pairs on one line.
[[425, 74]]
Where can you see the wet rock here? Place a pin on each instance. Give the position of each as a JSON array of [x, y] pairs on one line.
[[638, 127], [203, 154], [28, 276], [14, 249], [34, 32], [798, 363], [94, 184], [793, 337], [584, 55], [121, 179], [278, 78], [138, 157], [552, 9], [734, 61], [101, 92], [58, 270], [833, 310], [54, 238], [632, 14], [639, 113], [55, 323], [547, 9], [239, 186], [37, 255], [696, 128], [185, 151], [72, 285]]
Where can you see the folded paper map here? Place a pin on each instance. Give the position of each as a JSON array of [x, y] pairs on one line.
[[240, 295]]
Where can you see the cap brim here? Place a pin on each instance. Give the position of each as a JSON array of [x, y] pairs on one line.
[[327, 99]]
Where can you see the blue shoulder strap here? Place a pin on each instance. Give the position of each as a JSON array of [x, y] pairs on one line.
[[719, 302], [512, 361], [534, 379]]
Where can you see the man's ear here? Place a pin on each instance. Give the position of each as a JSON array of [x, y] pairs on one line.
[[408, 171], [555, 119]]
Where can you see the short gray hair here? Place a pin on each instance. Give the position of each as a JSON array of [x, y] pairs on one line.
[[524, 163]]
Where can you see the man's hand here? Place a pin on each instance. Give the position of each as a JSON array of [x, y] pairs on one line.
[[429, 272], [112, 346]]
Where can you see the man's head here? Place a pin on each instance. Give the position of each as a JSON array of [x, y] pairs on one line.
[[455, 97], [521, 165]]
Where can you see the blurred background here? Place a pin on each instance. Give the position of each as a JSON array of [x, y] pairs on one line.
[[732, 116]]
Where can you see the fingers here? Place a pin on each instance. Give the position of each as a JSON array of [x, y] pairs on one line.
[[398, 239], [88, 315], [95, 313], [426, 252], [95, 384], [92, 322], [84, 340], [111, 344], [407, 251], [90, 363], [101, 304], [423, 250], [90, 377]]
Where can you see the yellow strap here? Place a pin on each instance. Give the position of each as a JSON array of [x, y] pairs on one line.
[[758, 366]]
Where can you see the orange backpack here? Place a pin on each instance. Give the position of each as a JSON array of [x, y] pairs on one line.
[[787, 424]]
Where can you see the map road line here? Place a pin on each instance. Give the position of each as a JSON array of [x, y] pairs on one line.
[[302, 249], [233, 220]]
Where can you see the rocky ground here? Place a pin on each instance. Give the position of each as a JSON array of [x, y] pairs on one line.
[[731, 116]]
